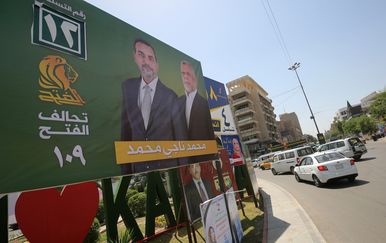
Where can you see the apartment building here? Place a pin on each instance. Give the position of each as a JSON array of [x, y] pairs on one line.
[[253, 114], [290, 130]]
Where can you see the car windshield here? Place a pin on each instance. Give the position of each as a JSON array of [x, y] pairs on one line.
[[305, 151], [328, 157]]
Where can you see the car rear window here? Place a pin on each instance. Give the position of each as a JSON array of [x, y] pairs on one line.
[[328, 157], [305, 151], [354, 141]]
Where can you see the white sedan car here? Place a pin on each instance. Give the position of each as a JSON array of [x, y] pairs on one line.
[[324, 167]]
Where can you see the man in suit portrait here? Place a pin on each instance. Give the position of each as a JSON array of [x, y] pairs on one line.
[[192, 112], [197, 191], [146, 113]]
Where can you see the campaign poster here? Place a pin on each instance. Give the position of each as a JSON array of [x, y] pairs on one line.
[[227, 173], [222, 118], [215, 220], [88, 96], [234, 216], [232, 143], [198, 186], [200, 183]]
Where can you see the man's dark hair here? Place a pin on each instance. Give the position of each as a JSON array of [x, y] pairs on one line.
[[139, 40]]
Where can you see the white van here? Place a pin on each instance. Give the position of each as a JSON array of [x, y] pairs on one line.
[[349, 147], [286, 161]]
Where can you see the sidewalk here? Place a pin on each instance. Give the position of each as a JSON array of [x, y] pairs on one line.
[[286, 220]]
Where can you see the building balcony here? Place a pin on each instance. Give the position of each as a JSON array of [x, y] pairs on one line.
[[248, 132], [247, 121], [244, 111], [241, 91], [240, 101]]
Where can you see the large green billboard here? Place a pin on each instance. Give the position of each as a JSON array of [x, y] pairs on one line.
[[74, 84]]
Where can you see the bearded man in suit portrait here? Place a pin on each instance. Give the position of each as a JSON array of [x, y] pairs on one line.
[[147, 112]]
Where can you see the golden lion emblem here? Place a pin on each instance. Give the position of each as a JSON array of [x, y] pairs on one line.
[[56, 78]]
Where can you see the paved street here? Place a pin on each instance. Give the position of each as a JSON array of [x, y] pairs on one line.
[[345, 212]]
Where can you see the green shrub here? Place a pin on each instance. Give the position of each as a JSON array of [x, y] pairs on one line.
[[130, 193], [160, 222], [137, 204], [124, 237], [93, 234], [100, 215]]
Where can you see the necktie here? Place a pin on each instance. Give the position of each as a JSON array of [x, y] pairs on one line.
[[146, 105], [187, 111], [202, 193]]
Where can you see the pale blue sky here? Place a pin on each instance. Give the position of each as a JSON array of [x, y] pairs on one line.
[[341, 46]]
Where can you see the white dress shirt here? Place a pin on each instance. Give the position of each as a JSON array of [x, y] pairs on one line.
[[152, 85], [189, 102]]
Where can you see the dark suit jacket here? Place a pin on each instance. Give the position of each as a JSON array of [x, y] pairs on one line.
[[200, 123], [193, 198], [160, 125]]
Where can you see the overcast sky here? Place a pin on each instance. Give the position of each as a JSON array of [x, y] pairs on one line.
[[340, 45]]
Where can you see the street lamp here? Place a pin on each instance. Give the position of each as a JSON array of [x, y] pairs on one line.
[[293, 68]]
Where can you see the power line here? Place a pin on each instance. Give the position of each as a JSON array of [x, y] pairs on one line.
[[276, 29], [280, 35], [285, 99], [285, 92]]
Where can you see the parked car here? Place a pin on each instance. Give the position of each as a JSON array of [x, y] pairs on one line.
[[350, 147], [323, 167], [286, 161], [264, 161]]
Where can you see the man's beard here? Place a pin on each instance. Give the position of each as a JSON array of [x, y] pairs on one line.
[[147, 72]]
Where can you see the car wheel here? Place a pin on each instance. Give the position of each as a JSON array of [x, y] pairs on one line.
[[317, 182], [358, 157], [274, 172], [292, 170], [297, 177], [351, 179]]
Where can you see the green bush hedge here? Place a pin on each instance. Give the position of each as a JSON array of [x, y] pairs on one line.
[[93, 234], [137, 204], [130, 193], [100, 215]]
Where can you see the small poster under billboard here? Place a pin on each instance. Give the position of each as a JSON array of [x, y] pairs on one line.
[[234, 216], [215, 220], [233, 145], [201, 183]]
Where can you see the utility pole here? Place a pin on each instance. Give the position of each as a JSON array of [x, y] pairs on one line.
[[320, 136]]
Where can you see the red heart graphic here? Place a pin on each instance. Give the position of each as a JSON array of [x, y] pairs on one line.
[[52, 216]]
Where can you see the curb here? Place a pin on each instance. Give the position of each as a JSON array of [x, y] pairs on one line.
[[315, 234]]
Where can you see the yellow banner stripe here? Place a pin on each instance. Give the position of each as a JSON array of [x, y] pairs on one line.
[[139, 151]]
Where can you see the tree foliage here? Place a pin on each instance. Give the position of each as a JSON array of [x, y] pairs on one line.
[[378, 107], [337, 128], [310, 138], [362, 124]]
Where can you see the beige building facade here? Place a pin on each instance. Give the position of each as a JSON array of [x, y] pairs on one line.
[[253, 113], [289, 128]]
